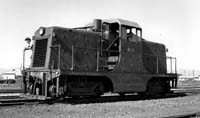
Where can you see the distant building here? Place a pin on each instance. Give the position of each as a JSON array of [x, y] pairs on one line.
[[185, 78], [11, 76], [198, 78], [17, 72], [8, 76]]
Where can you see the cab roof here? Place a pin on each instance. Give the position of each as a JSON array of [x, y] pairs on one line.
[[118, 20], [123, 22]]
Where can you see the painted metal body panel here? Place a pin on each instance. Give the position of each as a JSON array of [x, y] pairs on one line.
[[60, 53], [132, 73], [84, 46]]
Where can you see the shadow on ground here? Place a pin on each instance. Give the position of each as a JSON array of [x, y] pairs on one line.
[[109, 99]]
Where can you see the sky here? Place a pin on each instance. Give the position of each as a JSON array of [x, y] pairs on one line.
[[172, 22]]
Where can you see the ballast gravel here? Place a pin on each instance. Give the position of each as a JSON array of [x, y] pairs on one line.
[[124, 109]]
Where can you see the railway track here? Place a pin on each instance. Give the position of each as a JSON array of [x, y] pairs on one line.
[[11, 90], [21, 101], [87, 100], [188, 115], [17, 100]]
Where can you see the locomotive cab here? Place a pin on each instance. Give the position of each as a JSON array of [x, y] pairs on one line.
[[114, 33]]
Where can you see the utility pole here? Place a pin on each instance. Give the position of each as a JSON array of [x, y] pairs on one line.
[[193, 74]]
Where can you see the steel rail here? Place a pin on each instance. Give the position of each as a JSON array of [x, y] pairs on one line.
[[12, 102], [11, 90], [186, 115], [102, 99]]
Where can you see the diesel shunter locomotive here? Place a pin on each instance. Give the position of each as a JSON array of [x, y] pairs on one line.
[[106, 55]]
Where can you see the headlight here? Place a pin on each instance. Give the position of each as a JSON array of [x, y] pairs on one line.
[[57, 73], [41, 31]]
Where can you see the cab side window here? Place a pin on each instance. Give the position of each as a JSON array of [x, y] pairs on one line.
[[131, 36], [129, 33], [106, 29]]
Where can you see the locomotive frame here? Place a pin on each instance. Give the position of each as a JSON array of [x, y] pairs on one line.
[[100, 57]]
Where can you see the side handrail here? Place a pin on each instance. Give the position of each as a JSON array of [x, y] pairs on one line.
[[112, 42], [171, 64], [97, 51], [25, 49], [171, 59]]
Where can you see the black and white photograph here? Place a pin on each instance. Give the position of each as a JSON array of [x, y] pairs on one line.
[[99, 59]]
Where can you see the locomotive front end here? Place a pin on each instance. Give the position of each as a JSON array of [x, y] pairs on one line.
[[38, 76]]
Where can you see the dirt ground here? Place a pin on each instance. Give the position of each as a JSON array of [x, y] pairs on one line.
[[127, 109]]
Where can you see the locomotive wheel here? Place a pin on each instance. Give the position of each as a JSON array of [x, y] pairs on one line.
[[154, 87], [122, 94], [75, 97], [99, 90], [141, 93]]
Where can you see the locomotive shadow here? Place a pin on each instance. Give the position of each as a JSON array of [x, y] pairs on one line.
[[109, 99]]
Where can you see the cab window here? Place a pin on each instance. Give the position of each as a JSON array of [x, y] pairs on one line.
[[130, 34], [106, 29]]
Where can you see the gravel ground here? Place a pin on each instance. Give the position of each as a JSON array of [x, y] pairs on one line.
[[128, 109]]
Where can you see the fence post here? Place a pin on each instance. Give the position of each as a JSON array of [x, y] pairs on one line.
[[171, 64], [175, 66]]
